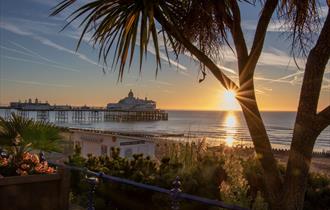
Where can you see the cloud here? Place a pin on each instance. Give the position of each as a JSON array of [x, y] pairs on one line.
[[167, 91], [31, 52], [273, 26], [50, 3], [161, 82], [37, 62], [279, 60], [37, 83], [260, 92], [61, 48], [226, 69], [258, 78], [34, 23], [289, 76], [34, 54], [271, 57], [278, 26], [14, 50], [12, 28], [183, 69]]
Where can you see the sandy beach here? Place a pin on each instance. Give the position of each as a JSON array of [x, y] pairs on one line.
[[320, 161], [319, 164]]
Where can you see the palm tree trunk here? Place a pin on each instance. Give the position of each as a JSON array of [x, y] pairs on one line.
[[308, 123], [272, 178], [298, 167]]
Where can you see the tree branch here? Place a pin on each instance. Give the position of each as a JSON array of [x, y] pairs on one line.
[[314, 72], [259, 38], [323, 119], [216, 71], [238, 37]]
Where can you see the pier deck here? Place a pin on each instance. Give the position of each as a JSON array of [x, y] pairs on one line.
[[87, 114]]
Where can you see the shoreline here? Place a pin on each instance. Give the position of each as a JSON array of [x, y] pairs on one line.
[[183, 137], [320, 161]]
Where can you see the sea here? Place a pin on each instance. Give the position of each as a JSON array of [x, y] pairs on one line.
[[215, 127]]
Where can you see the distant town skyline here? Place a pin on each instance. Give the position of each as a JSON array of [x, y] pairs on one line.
[[38, 61]]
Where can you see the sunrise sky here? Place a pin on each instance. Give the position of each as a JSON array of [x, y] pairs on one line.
[[36, 60]]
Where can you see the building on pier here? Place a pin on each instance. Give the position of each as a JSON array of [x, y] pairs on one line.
[[29, 105], [130, 103], [131, 108]]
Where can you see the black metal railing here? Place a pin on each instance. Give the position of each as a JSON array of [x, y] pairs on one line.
[[175, 194]]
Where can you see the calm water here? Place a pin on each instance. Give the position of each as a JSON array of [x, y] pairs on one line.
[[216, 126]]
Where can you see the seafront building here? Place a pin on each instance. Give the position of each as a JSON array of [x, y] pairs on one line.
[[99, 143]]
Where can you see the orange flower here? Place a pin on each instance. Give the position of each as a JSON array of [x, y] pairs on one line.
[[50, 170], [35, 159], [21, 172], [27, 156], [39, 168]]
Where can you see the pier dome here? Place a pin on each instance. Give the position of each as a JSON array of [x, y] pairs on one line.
[[132, 103], [131, 94]]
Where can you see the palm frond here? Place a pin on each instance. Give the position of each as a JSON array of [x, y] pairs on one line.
[[302, 18], [35, 135], [117, 25], [9, 129]]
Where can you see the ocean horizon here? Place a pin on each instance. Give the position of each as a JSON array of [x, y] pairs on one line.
[[216, 127]]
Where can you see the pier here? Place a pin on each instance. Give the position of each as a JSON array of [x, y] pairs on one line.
[[95, 116], [85, 115], [121, 115], [43, 115], [61, 116], [127, 109]]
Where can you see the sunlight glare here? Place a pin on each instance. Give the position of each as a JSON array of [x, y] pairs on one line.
[[230, 121], [229, 101], [229, 141]]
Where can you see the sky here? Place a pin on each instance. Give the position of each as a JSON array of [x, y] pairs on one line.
[[38, 60]]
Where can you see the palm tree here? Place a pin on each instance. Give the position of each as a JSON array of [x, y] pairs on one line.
[[19, 134], [201, 28]]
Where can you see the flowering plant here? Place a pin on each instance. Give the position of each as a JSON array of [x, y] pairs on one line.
[[18, 136], [27, 165]]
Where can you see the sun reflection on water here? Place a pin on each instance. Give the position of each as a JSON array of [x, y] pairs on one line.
[[230, 120], [230, 123], [229, 141]]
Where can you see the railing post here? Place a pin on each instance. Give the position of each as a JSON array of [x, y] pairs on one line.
[[175, 191], [92, 181]]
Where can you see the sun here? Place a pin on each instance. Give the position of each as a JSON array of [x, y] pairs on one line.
[[228, 101]]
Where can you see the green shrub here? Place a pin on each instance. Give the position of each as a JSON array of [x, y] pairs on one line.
[[216, 174]]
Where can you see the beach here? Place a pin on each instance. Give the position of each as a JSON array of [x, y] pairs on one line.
[[320, 161]]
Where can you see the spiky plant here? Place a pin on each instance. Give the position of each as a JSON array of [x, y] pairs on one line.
[[20, 134]]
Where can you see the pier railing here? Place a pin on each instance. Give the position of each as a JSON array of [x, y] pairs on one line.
[[175, 194]]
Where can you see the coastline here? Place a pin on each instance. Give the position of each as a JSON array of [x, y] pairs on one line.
[[320, 161]]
